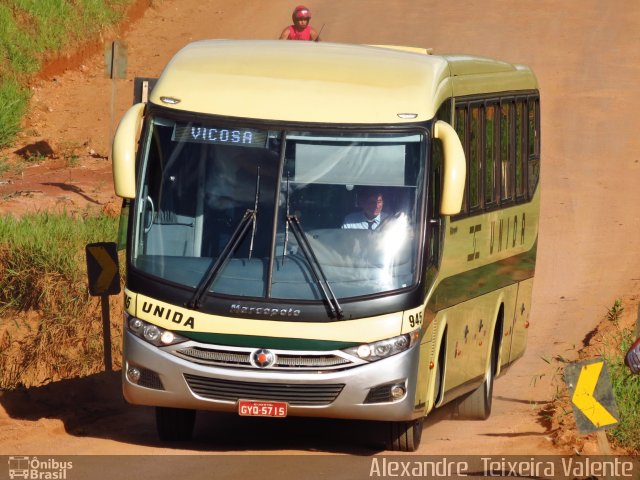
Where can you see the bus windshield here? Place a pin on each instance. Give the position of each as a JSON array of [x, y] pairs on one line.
[[272, 213]]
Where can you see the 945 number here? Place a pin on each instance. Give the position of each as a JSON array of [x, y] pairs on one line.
[[415, 320]]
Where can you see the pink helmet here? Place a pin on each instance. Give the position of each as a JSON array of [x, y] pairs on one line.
[[301, 12]]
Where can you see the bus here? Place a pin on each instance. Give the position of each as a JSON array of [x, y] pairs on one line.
[[245, 293], [19, 467]]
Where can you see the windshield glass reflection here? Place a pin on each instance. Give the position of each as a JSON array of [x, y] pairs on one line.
[[354, 197]]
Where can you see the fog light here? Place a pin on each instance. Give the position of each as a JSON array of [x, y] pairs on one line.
[[397, 392], [133, 374]]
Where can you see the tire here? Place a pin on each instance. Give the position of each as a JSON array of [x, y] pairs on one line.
[[175, 424], [404, 436], [477, 404]]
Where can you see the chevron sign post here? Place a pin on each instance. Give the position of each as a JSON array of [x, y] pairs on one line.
[[104, 280], [594, 405]]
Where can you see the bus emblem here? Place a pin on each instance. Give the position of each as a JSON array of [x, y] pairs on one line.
[[263, 358]]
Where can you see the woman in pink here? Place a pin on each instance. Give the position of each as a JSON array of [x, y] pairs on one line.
[[300, 30]]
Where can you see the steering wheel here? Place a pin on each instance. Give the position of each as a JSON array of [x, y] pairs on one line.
[[388, 221]]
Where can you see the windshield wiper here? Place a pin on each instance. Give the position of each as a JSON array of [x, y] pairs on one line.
[[211, 274], [286, 225], [316, 268], [255, 209]]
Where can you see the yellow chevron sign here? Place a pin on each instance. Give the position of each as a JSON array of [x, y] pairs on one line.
[[102, 268], [591, 395]]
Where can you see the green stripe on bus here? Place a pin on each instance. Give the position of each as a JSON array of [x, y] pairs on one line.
[[266, 342], [480, 281]]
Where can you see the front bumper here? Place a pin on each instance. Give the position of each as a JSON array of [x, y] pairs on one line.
[[172, 381]]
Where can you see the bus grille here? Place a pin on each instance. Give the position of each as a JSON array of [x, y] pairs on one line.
[[284, 361], [294, 394]]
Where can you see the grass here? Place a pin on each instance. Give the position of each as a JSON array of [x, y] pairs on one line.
[[35, 30], [43, 270], [69, 151], [13, 105], [614, 313], [47, 246], [5, 165], [626, 387]]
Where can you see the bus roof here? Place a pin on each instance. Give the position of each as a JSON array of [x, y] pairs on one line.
[[325, 82]]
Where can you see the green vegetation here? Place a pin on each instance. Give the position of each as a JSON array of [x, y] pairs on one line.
[[613, 315], [610, 342], [48, 325], [34, 30], [626, 386], [4, 164], [43, 270], [612, 346], [13, 101], [44, 245]]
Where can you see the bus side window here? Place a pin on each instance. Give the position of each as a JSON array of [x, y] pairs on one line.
[[506, 170], [533, 139], [490, 156], [474, 158], [520, 149]]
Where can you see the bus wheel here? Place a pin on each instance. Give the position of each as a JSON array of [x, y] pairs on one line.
[[404, 436], [175, 424], [477, 405]]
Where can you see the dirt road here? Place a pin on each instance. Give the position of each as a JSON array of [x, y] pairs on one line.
[[586, 55]]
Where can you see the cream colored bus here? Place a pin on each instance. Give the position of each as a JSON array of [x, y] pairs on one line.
[[251, 287]]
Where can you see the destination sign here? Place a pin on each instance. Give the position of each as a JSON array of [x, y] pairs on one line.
[[239, 137]]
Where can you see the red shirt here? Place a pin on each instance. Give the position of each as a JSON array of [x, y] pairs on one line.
[[304, 34]]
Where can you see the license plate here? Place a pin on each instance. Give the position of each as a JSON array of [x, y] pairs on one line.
[[257, 408]]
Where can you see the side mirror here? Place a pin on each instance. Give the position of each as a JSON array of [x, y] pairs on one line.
[[455, 168], [124, 151], [632, 358]]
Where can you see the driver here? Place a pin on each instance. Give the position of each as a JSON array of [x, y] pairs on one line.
[[371, 202]]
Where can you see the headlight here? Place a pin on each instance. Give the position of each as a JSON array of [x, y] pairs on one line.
[[384, 348], [152, 333], [136, 325]]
